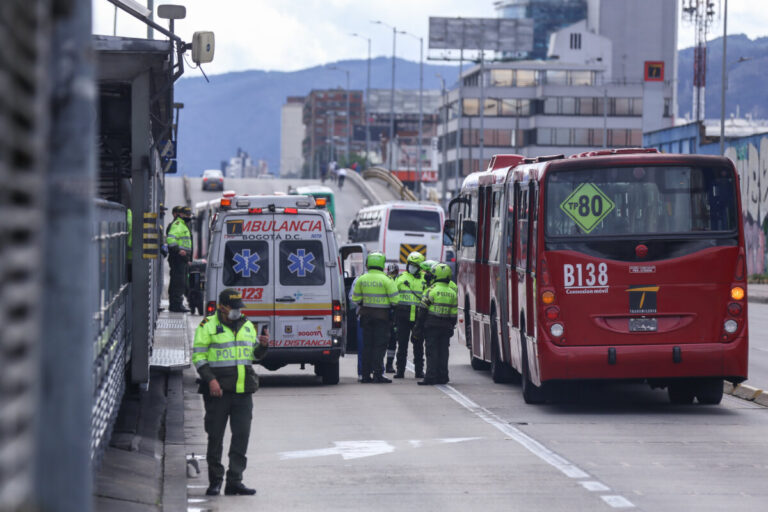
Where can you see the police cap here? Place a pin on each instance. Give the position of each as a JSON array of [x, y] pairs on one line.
[[186, 211], [231, 298]]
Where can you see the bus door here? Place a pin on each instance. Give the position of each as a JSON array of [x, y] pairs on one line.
[[302, 282], [531, 276], [482, 278], [520, 259]]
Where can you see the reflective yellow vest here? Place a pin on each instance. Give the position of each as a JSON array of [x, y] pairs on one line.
[[375, 290], [223, 351], [410, 289], [179, 236], [441, 304]]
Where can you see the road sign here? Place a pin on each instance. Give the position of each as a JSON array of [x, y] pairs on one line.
[[167, 149], [587, 206], [499, 34]]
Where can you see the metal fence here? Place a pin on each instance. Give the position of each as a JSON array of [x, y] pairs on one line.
[[111, 321]]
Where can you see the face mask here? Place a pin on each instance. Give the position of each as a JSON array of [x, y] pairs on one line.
[[234, 314], [413, 269]]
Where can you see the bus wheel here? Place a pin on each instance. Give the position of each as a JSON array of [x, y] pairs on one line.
[[532, 394], [330, 372], [709, 391], [501, 372], [681, 392]]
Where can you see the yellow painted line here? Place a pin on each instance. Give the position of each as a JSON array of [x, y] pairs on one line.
[[150, 215]]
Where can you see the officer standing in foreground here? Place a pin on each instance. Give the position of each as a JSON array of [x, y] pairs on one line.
[[410, 285], [437, 320], [225, 347], [179, 240], [376, 294]]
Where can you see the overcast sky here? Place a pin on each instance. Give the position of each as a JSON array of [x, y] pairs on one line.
[[286, 35]]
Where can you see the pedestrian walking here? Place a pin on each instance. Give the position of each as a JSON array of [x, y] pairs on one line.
[[179, 240], [410, 285], [376, 295], [436, 319], [226, 344]]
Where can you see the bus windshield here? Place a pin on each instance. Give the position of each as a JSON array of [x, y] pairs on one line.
[[414, 220], [640, 200]]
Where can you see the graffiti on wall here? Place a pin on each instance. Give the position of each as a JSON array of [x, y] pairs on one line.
[[752, 164]]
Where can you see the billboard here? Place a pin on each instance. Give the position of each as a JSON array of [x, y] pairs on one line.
[[498, 34]]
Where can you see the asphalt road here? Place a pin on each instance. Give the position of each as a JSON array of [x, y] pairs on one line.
[[758, 346]]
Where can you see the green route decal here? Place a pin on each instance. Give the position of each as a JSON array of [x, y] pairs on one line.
[[587, 206]]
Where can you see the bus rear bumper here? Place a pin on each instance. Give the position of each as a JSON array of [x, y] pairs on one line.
[[726, 360]]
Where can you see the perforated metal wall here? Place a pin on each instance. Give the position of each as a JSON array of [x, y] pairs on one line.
[[23, 123]]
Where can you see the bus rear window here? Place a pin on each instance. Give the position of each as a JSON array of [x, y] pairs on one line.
[[640, 200], [414, 220]]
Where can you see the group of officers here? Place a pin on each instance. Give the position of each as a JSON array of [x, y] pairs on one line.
[[419, 305]]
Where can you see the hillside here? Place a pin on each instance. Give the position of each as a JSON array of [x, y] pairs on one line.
[[243, 109]]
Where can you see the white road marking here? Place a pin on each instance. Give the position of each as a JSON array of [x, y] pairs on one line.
[[415, 443], [196, 500], [617, 501], [563, 465], [347, 449], [594, 486], [190, 486], [458, 439]]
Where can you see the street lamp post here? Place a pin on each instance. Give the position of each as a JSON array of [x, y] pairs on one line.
[[421, 108], [725, 78], [392, 94], [346, 144], [365, 104], [444, 145]]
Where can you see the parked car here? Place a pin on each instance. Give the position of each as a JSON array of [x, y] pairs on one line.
[[213, 179]]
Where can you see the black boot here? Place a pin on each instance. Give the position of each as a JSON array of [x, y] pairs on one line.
[[390, 368], [419, 373]]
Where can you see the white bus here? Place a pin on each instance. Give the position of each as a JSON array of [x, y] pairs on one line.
[[397, 228]]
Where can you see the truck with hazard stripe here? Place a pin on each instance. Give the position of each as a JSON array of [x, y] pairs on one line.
[[281, 253]]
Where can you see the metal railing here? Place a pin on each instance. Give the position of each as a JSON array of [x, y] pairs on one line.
[[392, 181], [111, 325]]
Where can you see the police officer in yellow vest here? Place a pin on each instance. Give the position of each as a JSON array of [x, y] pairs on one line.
[[437, 320], [410, 285], [226, 345], [179, 240], [375, 294]]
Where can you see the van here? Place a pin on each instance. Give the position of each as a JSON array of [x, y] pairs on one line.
[[281, 253], [398, 228]]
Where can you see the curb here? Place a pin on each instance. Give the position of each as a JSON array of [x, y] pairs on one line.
[[748, 393]]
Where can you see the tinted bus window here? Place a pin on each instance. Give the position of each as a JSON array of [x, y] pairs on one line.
[[246, 264], [414, 220], [302, 263], [640, 200]]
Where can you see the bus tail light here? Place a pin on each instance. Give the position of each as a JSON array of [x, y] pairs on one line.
[[544, 273], [336, 306], [210, 308], [739, 276], [548, 297], [730, 326], [556, 330], [734, 309], [737, 293], [553, 313]]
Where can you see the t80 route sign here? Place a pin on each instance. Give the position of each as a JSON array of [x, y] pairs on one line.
[[587, 206]]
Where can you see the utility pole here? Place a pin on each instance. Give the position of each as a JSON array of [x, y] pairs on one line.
[[724, 85], [444, 145], [365, 104], [392, 95]]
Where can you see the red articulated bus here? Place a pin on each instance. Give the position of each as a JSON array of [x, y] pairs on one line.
[[609, 265]]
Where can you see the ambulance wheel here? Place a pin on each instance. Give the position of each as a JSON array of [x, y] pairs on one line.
[[709, 391], [330, 372]]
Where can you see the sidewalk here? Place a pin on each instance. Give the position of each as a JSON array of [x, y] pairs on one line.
[[144, 467], [757, 293]]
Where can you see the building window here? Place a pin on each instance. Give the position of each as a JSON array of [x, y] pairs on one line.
[[501, 77], [667, 107], [576, 41], [471, 106], [525, 78], [557, 77], [582, 77]]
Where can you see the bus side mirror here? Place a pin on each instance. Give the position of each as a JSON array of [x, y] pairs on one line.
[[468, 233], [449, 231], [352, 231]]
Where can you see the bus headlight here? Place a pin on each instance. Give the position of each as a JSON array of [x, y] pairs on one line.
[[731, 326], [556, 330]]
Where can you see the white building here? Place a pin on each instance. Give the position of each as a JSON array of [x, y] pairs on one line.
[[291, 136], [607, 79]]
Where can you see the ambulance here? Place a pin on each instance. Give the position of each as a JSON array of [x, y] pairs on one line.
[[280, 251]]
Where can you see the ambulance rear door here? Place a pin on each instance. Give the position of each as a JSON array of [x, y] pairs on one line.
[[303, 281]]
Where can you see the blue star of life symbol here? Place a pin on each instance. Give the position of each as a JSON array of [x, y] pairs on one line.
[[245, 263], [301, 263]]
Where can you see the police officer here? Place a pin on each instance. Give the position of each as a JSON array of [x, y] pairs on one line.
[[225, 347], [375, 294], [392, 272], [410, 285], [437, 320], [179, 240]]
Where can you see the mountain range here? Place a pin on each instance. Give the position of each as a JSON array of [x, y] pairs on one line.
[[242, 109]]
